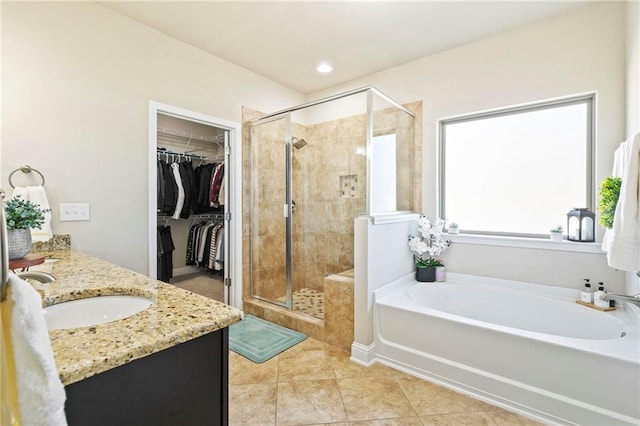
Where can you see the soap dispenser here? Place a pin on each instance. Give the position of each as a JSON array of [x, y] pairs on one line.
[[598, 295], [586, 295]]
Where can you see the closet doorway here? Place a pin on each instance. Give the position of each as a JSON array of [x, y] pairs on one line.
[[194, 202]]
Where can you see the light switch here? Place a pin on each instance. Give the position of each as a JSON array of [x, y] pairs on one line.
[[74, 212]]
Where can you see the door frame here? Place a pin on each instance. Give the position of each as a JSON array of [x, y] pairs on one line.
[[233, 172]]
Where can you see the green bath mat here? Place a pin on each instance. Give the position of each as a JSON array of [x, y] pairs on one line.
[[259, 340]]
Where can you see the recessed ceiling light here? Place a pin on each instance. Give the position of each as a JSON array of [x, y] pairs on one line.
[[324, 68]]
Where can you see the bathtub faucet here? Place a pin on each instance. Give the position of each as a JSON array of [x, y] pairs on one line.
[[626, 298]]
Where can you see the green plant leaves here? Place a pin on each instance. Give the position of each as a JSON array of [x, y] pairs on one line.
[[23, 214], [609, 194]]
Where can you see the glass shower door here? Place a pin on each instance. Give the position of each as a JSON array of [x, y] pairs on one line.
[[269, 148]]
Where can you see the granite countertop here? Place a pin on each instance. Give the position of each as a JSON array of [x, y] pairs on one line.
[[175, 317]]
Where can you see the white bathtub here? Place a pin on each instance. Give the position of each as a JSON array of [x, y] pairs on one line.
[[526, 347]]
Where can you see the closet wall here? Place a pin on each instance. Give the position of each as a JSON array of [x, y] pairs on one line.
[[177, 135]]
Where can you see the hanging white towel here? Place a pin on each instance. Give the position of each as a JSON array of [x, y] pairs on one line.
[[37, 195], [622, 242], [40, 393]]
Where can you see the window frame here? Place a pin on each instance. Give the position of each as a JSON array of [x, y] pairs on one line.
[[589, 99]]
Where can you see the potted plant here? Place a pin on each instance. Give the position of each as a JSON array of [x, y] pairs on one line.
[[21, 216], [556, 233], [453, 228], [609, 194], [427, 246]]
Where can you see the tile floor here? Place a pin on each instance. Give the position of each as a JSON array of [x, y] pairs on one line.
[[316, 384]]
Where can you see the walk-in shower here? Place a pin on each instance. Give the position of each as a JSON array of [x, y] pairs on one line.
[[360, 158]]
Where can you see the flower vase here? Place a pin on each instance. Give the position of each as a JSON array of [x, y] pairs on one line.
[[425, 274]]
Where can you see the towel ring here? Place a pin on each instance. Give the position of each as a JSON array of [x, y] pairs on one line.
[[25, 169]]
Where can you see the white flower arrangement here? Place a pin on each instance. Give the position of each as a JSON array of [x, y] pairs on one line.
[[430, 243]]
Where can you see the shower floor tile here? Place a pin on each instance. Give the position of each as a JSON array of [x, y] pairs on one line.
[[308, 301]]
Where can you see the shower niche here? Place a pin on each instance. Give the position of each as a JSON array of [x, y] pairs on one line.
[[310, 171]]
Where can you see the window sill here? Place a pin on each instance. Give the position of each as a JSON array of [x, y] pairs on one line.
[[531, 243]]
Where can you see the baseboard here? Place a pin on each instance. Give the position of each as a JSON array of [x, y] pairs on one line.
[[363, 354], [186, 270]]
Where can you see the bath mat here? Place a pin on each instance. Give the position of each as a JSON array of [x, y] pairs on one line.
[[260, 340]]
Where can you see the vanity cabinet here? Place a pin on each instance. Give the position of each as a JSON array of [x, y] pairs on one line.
[[186, 384]]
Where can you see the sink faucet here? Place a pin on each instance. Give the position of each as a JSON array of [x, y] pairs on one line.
[[626, 298], [42, 277]]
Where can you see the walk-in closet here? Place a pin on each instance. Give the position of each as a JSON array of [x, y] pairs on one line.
[[191, 199]]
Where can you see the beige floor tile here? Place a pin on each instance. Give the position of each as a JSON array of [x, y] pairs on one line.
[[253, 405], [407, 421], [243, 371], [479, 418], [506, 418], [306, 365], [330, 424], [458, 419], [309, 402], [309, 344], [373, 398], [430, 399], [347, 369]]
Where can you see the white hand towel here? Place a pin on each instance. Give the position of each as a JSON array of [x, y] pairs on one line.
[[40, 393], [37, 195], [622, 243]]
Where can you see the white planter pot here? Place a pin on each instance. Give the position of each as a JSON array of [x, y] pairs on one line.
[[556, 236], [19, 241]]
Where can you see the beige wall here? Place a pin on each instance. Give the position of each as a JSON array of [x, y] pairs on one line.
[[577, 52], [77, 79]]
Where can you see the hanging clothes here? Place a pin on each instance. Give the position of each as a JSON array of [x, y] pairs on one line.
[[216, 183], [189, 185], [205, 246], [165, 248], [170, 189], [183, 190], [175, 168]]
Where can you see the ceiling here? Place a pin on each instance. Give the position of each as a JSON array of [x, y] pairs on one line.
[[285, 41]]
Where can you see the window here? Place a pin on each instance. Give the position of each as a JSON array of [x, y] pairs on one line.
[[517, 171]]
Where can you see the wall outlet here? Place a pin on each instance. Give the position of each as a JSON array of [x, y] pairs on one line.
[[74, 212]]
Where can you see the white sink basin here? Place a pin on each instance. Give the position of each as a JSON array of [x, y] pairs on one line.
[[93, 311]]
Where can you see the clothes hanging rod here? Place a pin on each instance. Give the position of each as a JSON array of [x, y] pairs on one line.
[[196, 216], [168, 153], [190, 136]]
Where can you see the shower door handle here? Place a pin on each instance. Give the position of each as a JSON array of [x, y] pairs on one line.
[[293, 208]]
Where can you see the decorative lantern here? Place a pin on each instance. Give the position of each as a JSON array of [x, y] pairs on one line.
[[581, 225]]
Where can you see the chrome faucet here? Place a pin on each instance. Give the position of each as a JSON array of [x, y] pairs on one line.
[[626, 298], [42, 277]]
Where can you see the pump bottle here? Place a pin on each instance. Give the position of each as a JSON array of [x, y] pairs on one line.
[[598, 295], [586, 295]]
